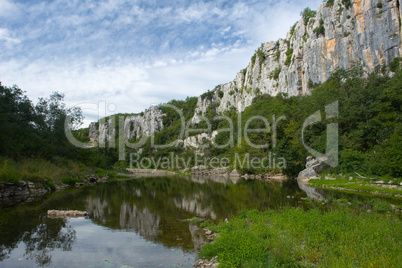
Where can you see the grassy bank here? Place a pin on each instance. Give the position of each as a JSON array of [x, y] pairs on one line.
[[292, 237], [381, 186], [43, 171]]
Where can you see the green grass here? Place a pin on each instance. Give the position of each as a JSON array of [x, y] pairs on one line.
[[43, 171], [290, 237], [356, 184]]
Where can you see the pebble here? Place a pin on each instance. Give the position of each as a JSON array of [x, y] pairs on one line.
[[213, 263]]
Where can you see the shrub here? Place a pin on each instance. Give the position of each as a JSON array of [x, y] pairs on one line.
[[289, 54], [275, 73], [220, 94], [70, 181], [320, 30], [347, 3], [307, 14], [292, 29], [329, 3]]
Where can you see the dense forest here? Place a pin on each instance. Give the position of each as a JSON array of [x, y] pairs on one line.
[[370, 128]]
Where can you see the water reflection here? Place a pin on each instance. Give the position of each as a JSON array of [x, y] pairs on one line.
[[45, 238], [139, 220], [154, 210]]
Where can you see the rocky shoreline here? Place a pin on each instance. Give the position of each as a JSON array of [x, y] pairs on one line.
[[203, 171], [26, 191]]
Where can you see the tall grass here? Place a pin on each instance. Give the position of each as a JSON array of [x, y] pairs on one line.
[[39, 170], [292, 237]]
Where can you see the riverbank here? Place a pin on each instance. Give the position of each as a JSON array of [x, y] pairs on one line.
[[30, 178], [364, 185], [336, 235]]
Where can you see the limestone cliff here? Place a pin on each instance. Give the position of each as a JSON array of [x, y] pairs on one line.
[[338, 34], [134, 126], [341, 32]]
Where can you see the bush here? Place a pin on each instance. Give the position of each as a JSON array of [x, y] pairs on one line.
[[329, 3], [347, 3], [307, 14], [289, 54], [8, 174], [275, 73], [320, 30], [70, 181]]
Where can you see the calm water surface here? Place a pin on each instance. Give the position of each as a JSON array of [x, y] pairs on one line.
[[133, 223]]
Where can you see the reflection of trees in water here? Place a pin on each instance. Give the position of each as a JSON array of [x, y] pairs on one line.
[[28, 225], [5, 251], [51, 234]]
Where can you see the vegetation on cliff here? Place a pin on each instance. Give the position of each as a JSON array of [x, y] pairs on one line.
[[369, 126]]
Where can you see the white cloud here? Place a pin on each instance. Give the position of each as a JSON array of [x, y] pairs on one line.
[[8, 8], [6, 36], [126, 53]]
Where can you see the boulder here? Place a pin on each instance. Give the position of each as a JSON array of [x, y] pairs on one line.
[[314, 167]]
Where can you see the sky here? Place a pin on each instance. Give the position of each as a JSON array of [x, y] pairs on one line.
[[122, 56]]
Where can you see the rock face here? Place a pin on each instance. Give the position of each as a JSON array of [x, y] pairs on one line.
[[146, 124], [14, 193], [314, 167], [366, 31], [134, 126]]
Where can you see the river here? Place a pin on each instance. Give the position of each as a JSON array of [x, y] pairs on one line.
[[132, 223]]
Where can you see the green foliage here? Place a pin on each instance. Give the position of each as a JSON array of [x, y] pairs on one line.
[[257, 91], [35, 130], [220, 93], [277, 54], [291, 237], [307, 14], [329, 3], [70, 181], [395, 64], [379, 5], [260, 53], [8, 174], [253, 59], [293, 28], [347, 3], [275, 73], [312, 85], [208, 95], [289, 54], [320, 30]]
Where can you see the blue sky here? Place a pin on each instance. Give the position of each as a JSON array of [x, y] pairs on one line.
[[134, 53]]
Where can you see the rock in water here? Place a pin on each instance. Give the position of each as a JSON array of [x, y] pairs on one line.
[[66, 213]]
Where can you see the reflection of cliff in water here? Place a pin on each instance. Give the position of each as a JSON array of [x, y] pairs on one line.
[[98, 208], [140, 220], [311, 192], [195, 205]]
